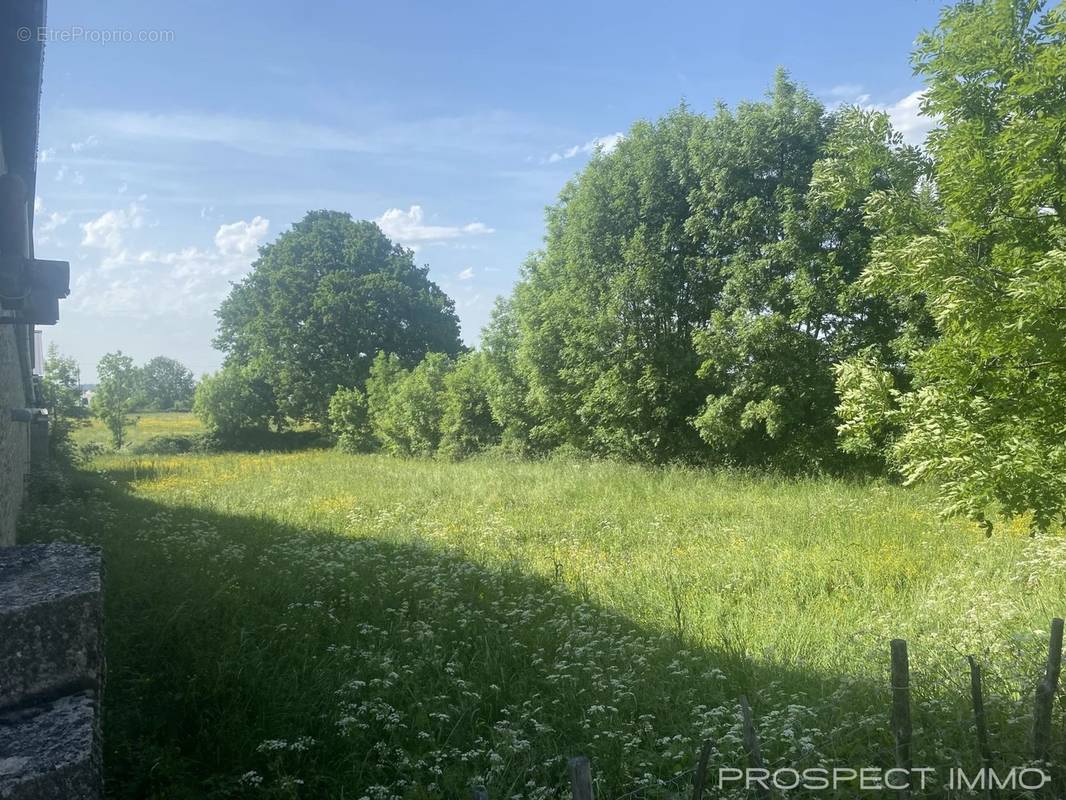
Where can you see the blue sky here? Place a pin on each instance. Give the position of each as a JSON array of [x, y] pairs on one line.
[[165, 163]]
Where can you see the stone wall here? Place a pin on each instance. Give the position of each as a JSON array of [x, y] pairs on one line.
[[51, 672], [14, 436]]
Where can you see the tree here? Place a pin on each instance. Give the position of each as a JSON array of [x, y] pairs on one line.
[[467, 424], [61, 386], [349, 421], [235, 403], [603, 317], [116, 391], [167, 384], [698, 287], [322, 300], [985, 416]]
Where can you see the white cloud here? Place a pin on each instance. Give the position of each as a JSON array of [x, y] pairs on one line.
[[466, 274], [46, 155], [905, 113], [38, 204], [605, 143], [907, 118], [106, 231], [84, 144], [61, 173], [241, 238], [409, 227], [188, 282], [53, 221]]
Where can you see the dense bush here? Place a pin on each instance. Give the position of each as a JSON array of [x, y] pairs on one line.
[[349, 421], [236, 402], [467, 424], [406, 406]]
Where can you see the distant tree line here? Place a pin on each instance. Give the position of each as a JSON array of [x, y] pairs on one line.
[[779, 285]]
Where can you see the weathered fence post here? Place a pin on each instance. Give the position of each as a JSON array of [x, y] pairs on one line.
[[751, 742], [901, 709], [481, 793], [580, 778], [699, 780], [1045, 694], [979, 720]]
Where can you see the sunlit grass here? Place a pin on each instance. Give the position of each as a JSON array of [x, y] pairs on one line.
[[144, 426], [435, 625]]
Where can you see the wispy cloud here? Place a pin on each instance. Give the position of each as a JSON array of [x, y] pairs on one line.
[[466, 274], [89, 141], [604, 143], [410, 228], [494, 131]]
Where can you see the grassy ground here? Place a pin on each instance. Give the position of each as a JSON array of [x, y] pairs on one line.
[[145, 427], [321, 625]]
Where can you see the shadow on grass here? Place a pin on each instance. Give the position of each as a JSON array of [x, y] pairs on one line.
[[247, 657]]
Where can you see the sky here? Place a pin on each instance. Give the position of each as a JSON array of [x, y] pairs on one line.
[[176, 138]]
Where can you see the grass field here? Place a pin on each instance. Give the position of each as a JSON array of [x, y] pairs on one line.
[[321, 625], [145, 427]]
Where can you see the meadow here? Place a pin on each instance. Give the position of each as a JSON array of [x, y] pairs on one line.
[[315, 624], [146, 426]]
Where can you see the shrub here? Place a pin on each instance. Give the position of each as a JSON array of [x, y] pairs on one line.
[[467, 424], [349, 421], [406, 406], [235, 402]]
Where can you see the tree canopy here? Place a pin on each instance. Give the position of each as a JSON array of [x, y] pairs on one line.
[[698, 286], [322, 301], [986, 245]]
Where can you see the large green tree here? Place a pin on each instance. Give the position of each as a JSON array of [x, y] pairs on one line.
[[167, 384], [321, 301], [986, 414], [698, 286]]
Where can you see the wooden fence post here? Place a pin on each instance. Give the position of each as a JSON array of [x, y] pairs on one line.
[[901, 709], [699, 780], [481, 793], [580, 778], [977, 695], [751, 742], [1045, 694]]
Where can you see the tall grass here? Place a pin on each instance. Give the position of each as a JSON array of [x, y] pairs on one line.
[[323, 625]]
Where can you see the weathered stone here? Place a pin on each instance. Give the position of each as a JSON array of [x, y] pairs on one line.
[[51, 751], [50, 621]]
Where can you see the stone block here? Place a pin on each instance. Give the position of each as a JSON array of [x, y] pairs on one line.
[[51, 751], [50, 621]]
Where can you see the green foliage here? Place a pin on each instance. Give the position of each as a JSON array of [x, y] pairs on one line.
[[322, 300], [506, 386], [406, 406], [167, 385], [235, 403], [349, 421], [118, 382], [61, 386], [467, 425], [986, 416], [699, 286]]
